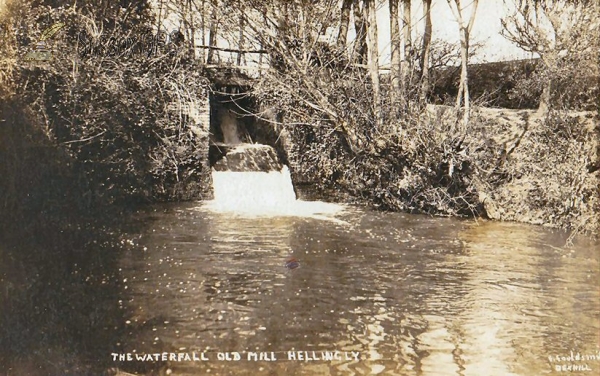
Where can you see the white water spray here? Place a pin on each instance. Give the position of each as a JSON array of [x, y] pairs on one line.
[[253, 189], [260, 194]]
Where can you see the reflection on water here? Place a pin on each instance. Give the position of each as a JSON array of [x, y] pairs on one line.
[[410, 295], [59, 302]]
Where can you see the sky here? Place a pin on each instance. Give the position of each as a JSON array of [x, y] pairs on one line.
[[486, 29]]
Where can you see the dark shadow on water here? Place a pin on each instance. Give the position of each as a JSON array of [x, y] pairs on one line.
[[60, 312]]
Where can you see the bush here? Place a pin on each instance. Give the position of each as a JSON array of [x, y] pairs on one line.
[[424, 160], [118, 115], [90, 130]]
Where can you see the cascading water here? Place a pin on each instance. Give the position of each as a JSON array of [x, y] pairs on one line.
[[249, 180], [251, 176]]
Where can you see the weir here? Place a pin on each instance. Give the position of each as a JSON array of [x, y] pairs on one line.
[[251, 178]]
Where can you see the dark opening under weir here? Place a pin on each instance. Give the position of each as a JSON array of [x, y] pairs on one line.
[[237, 118]]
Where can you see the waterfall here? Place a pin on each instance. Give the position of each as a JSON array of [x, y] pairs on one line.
[[229, 128], [249, 180], [254, 189]]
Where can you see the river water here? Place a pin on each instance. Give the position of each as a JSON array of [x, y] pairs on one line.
[[406, 294], [380, 293]]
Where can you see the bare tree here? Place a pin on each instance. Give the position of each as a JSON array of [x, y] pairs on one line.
[[426, 49], [407, 34], [212, 33], [360, 25], [371, 8], [192, 26], [396, 58], [203, 28], [465, 26], [344, 24], [240, 56], [281, 35], [555, 30]]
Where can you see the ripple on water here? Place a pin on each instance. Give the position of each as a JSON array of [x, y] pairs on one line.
[[413, 294]]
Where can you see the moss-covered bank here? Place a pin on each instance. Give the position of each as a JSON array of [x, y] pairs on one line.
[[551, 175]]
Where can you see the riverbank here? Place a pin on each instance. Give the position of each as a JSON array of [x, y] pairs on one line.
[[550, 172], [508, 165], [502, 168], [88, 133]]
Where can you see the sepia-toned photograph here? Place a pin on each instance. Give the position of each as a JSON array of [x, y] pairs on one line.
[[299, 187]]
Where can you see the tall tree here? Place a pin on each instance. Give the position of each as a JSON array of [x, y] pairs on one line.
[[212, 33], [396, 58], [464, 26], [371, 8], [407, 34], [360, 25], [192, 34], [344, 24], [203, 29], [240, 55], [426, 49]]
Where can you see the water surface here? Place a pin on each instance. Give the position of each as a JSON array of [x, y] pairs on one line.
[[413, 295]]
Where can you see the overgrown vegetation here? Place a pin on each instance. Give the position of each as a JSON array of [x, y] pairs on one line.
[[421, 158], [93, 128], [546, 173], [111, 121], [108, 122]]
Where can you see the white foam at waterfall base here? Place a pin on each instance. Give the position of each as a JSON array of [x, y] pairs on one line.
[[257, 193]]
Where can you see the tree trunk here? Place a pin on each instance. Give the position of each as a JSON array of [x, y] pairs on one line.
[[360, 42], [396, 58], [464, 32], [192, 37], [344, 23], [240, 55], [159, 19], [426, 50], [371, 11], [464, 76], [545, 98], [212, 35], [260, 56], [203, 30], [406, 32], [549, 59]]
